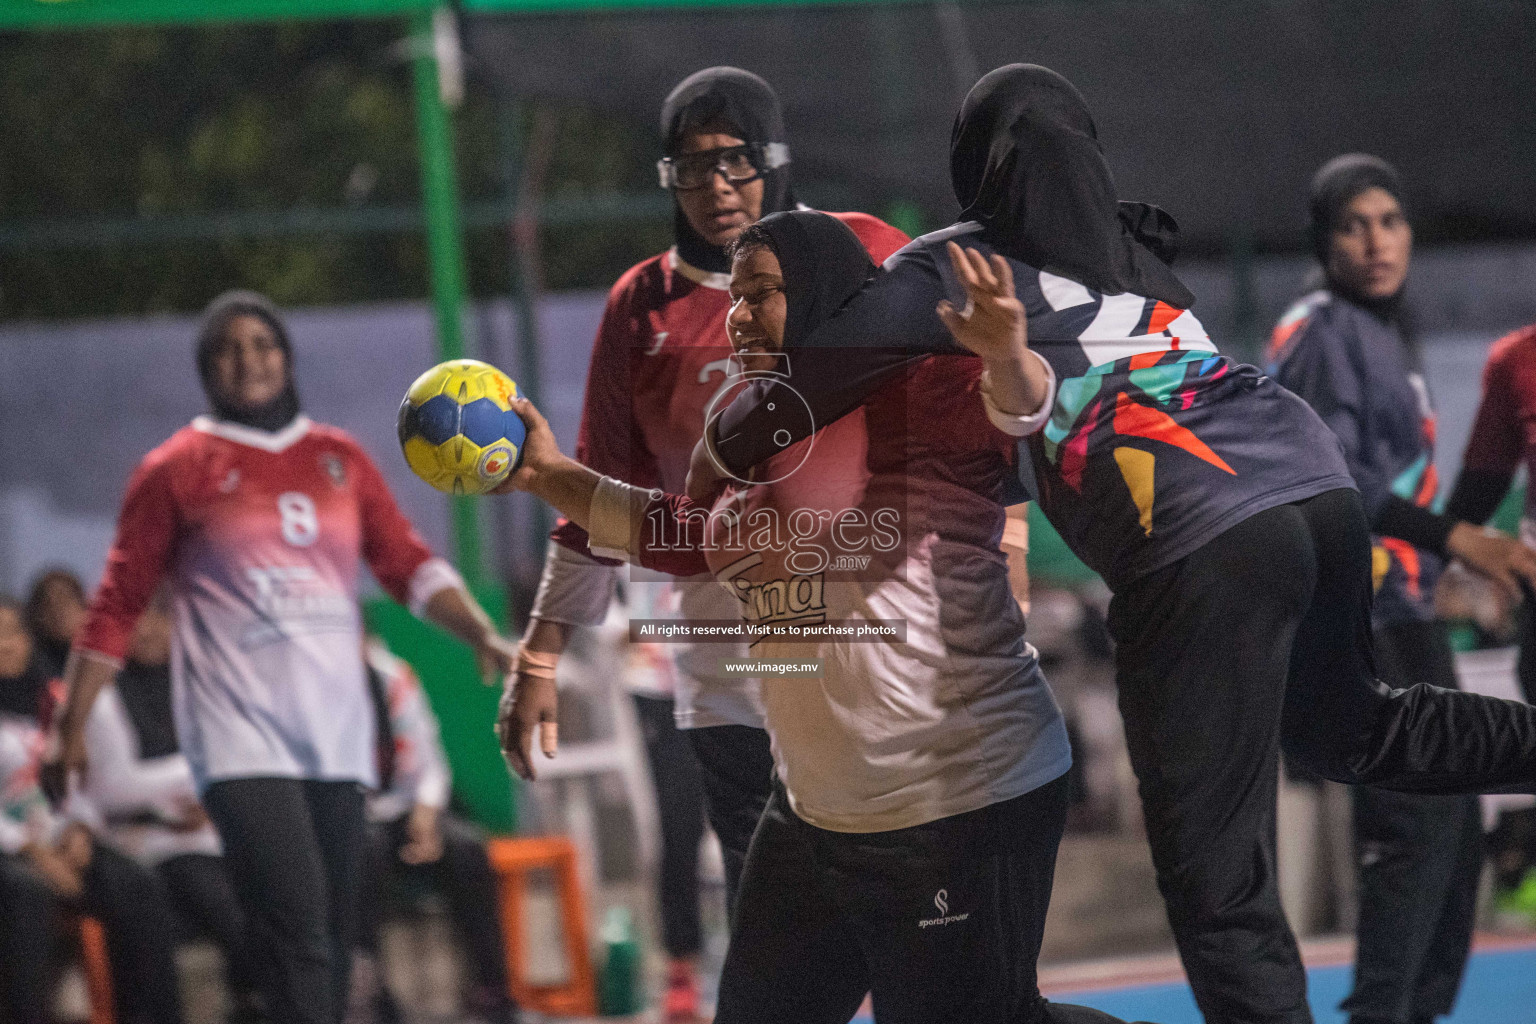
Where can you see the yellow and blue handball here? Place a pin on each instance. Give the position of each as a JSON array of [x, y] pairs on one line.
[[457, 427]]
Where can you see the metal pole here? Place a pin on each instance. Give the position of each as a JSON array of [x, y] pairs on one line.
[[445, 252]]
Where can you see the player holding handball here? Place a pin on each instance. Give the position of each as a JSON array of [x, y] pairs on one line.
[[661, 358], [260, 520]]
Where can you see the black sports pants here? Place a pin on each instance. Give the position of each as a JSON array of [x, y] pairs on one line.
[[1420, 858], [293, 848], [131, 907], [1263, 636], [679, 787], [464, 877], [201, 894], [737, 766], [941, 922]]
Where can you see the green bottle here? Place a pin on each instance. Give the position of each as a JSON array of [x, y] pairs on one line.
[[619, 993]]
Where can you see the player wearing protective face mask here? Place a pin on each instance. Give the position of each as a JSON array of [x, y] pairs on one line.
[[661, 358]]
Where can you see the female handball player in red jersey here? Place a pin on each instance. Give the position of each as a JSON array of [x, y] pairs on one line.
[[660, 358], [260, 520], [908, 847], [1214, 503]]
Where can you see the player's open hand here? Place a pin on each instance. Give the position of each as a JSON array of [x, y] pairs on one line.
[[1509, 563], [528, 705], [540, 450], [992, 324]]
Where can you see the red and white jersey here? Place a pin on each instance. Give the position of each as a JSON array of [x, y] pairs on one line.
[[262, 537], [421, 772], [661, 358], [888, 518]]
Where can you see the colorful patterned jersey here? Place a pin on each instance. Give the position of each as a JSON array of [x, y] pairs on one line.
[[261, 537], [1365, 382], [1156, 443], [421, 773]]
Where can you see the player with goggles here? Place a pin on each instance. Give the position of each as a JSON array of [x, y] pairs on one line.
[[739, 164]]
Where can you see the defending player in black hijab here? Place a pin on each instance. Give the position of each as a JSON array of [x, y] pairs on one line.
[[1026, 164], [1214, 503]]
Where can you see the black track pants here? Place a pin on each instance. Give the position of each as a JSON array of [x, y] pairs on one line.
[[1420, 860], [464, 877], [202, 895], [131, 907], [941, 922], [293, 848], [737, 766], [679, 787], [1263, 636]]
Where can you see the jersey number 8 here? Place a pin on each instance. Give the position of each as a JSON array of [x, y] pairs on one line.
[[301, 526]]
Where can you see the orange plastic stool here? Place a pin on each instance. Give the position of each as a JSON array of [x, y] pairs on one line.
[[98, 973], [512, 860]]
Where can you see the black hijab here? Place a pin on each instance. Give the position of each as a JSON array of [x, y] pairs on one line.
[[1026, 164], [724, 99], [1334, 186], [823, 264], [279, 412], [145, 691]]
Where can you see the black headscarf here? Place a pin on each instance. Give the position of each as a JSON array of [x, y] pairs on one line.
[[823, 263], [279, 412], [145, 691], [1334, 186], [23, 695], [1025, 163], [716, 100]]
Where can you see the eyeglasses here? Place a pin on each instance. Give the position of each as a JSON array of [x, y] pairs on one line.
[[739, 165]]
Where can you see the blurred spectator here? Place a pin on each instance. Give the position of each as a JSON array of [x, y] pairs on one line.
[[139, 797], [410, 832], [1504, 439], [651, 675], [50, 868], [56, 608]]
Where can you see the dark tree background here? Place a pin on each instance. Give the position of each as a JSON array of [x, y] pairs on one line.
[[155, 124]]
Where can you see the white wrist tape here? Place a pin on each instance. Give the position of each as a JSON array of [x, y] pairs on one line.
[[614, 518], [1017, 424]]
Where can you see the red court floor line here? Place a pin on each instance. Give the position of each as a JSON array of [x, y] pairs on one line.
[[1165, 969]]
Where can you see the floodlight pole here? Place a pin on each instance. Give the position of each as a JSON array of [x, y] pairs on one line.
[[445, 247]]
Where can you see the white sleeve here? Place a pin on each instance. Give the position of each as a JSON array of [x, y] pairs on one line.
[[13, 835], [436, 781], [1014, 424], [120, 784], [421, 774], [574, 590], [431, 578]]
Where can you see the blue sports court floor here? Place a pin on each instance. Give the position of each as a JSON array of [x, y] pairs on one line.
[[1499, 988]]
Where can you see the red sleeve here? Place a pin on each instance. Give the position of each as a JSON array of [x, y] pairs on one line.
[[147, 526], [610, 440], [1496, 441], [391, 546], [878, 237], [673, 535]]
